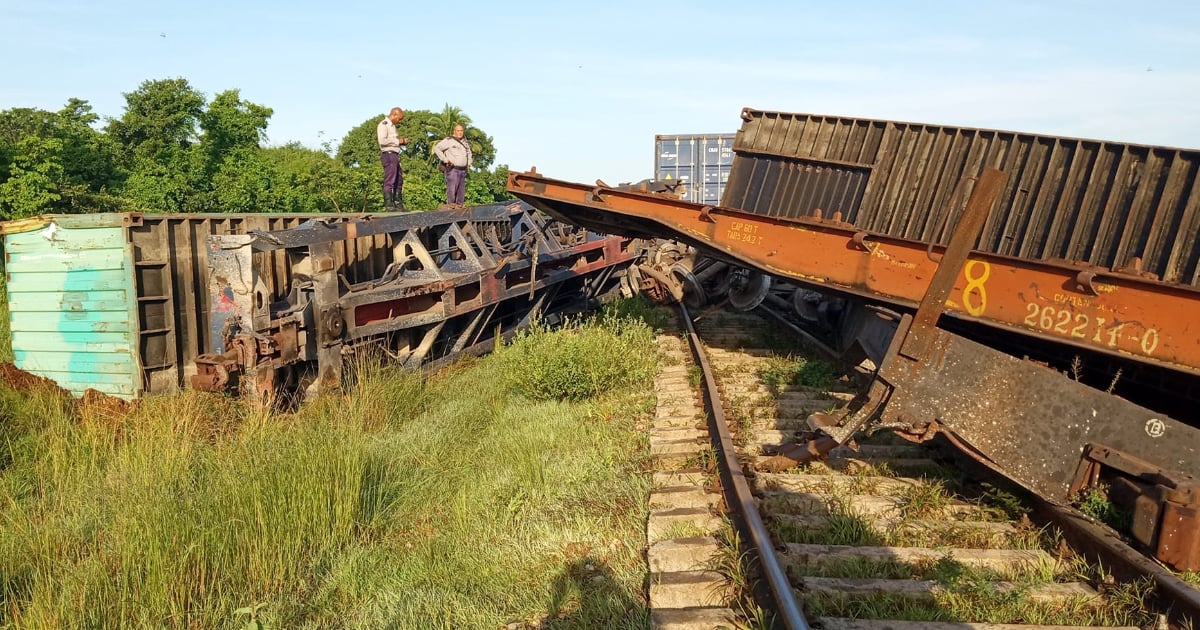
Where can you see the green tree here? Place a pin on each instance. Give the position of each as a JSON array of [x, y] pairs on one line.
[[231, 124], [31, 184], [90, 161], [159, 121], [55, 161], [157, 136]]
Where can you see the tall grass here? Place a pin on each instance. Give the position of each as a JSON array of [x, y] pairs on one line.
[[6, 353], [452, 501]]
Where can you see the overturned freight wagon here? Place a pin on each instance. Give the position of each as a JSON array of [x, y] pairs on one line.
[[1063, 248], [132, 304]]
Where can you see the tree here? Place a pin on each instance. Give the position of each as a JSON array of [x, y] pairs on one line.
[[157, 136], [230, 124], [89, 159], [30, 186], [307, 180], [55, 161], [159, 121]]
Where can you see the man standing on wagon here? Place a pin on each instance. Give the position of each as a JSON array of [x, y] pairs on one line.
[[455, 156], [389, 154]]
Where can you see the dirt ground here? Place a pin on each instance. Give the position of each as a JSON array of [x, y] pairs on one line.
[[92, 400]]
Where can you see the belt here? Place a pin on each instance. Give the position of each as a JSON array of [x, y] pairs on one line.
[[459, 168]]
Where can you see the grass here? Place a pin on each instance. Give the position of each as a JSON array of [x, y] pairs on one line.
[[6, 353], [472, 499], [782, 372], [924, 499], [638, 308], [968, 593], [733, 561], [1095, 503]]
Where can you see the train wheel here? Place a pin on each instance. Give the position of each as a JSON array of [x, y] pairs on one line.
[[748, 289], [693, 294]]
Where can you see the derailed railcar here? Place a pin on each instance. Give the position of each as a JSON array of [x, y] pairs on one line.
[[423, 286], [115, 302], [124, 303], [873, 212]]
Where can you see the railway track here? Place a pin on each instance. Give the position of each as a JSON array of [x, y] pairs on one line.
[[882, 534]]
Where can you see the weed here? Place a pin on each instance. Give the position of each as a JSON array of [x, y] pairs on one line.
[[695, 375], [681, 530], [1004, 501], [924, 499], [408, 501], [840, 527], [705, 459], [1113, 383], [780, 373], [1095, 503]]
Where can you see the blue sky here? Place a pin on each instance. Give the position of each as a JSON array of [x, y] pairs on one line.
[[581, 90]]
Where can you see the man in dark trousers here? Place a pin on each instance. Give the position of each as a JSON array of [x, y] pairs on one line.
[[455, 155], [389, 154]]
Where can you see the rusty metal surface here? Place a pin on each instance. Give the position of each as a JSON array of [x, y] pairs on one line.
[[1031, 421], [1119, 314], [1164, 504], [1107, 204]]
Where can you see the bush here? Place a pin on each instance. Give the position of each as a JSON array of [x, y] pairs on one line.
[[581, 360]]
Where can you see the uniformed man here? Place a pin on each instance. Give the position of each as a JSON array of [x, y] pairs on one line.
[[389, 154], [455, 155]]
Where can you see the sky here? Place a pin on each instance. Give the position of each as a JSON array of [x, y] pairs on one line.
[[580, 90]]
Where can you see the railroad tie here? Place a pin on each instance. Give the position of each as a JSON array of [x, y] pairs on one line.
[[685, 593]]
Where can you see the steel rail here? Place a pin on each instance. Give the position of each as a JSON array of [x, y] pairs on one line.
[[777, 579]]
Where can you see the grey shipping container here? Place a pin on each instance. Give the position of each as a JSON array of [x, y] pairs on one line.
[[119, 302], [702, 161]]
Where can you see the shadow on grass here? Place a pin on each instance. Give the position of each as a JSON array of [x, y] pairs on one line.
[[586, 594]]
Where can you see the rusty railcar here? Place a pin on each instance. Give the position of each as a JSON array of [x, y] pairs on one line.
[[1074, 248]]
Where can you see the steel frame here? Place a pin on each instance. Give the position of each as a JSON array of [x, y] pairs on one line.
[[439, 282]]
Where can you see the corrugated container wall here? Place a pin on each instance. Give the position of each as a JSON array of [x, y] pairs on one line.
[[118, 302], [702, 162], [1108, 204]]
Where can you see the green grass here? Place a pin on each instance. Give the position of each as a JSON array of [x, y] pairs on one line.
[[6, 353], [638, 308], [453, 501], [967, 593], [1095, 503], [782, 372]]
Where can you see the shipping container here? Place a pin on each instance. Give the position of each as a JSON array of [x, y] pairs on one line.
[[1108, 204], [118, 302], [702, 161]]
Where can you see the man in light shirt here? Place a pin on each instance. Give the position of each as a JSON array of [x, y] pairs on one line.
[[389, 154], [455, 155]]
